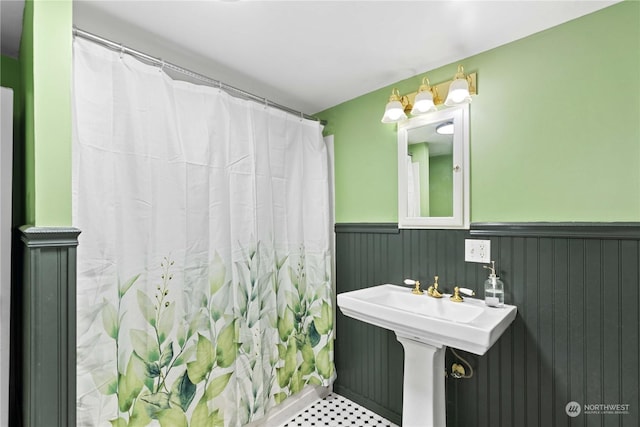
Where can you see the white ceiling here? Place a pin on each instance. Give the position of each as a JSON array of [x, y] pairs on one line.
[[11, 25], [312, 55]]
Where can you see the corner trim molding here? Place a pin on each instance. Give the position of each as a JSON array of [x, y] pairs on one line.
[[45, 352], [579, 230], [368, 227], [43, 237]]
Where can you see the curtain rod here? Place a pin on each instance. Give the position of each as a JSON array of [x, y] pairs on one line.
[[213, 82]]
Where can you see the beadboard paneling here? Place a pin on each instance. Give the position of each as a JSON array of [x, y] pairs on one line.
[[576, 336]]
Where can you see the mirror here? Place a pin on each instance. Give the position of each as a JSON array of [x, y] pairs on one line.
[[433, 170]]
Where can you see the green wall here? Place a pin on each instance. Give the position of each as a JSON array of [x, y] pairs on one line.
[[10, 77], [45, 58], [555, 129]]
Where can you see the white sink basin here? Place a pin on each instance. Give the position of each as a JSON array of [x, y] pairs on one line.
[[425, 326], [470, 325]]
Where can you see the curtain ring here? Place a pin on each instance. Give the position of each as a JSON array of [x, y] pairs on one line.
[[121, 51], [266, 103], [162, 65]]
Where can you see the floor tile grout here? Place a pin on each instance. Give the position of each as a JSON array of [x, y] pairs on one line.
[[337, 411]]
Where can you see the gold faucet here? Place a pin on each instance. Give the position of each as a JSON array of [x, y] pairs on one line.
[[433, 289]]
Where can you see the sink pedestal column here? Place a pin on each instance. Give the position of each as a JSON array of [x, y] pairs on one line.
[[424, 400]]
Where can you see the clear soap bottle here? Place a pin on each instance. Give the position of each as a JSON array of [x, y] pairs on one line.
[[493, 288]]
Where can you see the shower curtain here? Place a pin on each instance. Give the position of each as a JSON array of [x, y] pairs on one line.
[[203, 279]]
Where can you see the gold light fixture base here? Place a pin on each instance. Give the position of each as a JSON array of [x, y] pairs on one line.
[[440, 92]]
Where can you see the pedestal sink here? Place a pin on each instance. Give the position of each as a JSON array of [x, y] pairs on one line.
[[425, 326]]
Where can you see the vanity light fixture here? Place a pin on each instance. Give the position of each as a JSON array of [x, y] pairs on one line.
[[423, 102], [445, 128], [394, 111], [458, 91]]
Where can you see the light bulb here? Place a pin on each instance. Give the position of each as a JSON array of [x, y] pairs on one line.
[[458, 93], [423, 103], [393, 112]]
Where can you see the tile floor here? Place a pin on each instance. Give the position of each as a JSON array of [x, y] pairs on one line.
[[337, 411]]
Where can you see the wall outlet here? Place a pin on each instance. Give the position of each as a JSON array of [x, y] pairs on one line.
[[477, 251]]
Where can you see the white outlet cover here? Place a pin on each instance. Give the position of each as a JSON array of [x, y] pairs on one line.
[[477, 251]]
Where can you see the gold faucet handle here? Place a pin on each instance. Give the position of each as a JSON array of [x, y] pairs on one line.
[[456, 295], [416, 290]]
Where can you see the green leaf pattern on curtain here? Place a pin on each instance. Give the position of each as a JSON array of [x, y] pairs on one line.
[[248, 334]]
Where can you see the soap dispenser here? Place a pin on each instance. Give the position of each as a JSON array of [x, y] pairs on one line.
[[493, 288]]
